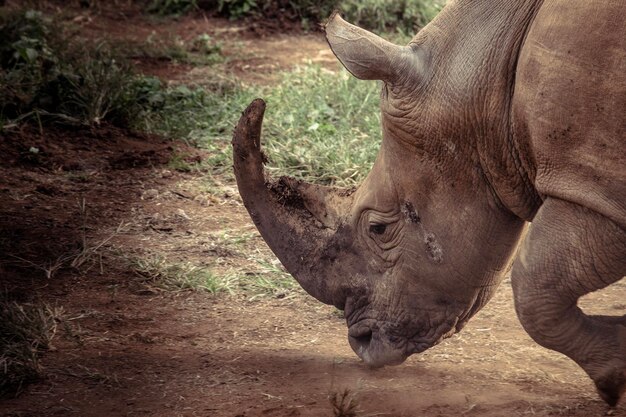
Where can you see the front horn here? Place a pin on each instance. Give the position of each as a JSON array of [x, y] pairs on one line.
[[296, 219]]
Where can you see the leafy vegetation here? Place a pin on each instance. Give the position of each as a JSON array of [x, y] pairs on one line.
[[50, 75], [47, 74], [236, 9], [171, 7], [405, 16], [323, 126]]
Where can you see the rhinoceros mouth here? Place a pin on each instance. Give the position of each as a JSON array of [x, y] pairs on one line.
[[382, 344], [375, 347]]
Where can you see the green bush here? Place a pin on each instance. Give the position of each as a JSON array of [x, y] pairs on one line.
[[171, 7], [27, 60], [48, 74], [236, 9], [92, 88], [405, 16]]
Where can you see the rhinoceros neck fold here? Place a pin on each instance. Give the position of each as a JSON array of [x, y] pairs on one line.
[[475, 46]]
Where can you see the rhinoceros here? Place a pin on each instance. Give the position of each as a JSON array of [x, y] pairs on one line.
[[496, 114]]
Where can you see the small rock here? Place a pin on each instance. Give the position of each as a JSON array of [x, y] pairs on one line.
[[181, 214], [150, 194], [156, 217], [166, 173]]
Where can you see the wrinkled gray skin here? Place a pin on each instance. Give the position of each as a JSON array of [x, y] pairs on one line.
[[496, 114]]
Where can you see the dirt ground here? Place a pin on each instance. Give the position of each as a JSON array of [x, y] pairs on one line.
[[130, 350]]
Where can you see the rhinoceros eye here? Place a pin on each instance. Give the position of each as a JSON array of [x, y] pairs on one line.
[[378, 229], [381, 231]]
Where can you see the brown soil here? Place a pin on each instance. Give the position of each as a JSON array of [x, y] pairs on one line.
[[130, 349], [254, 53]]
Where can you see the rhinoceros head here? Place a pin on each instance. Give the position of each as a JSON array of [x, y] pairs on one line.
[[421, 244]]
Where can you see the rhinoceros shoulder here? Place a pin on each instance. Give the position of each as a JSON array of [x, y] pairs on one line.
[[569, 103]]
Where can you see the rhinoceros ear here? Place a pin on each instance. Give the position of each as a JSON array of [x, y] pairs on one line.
[[366, 55]]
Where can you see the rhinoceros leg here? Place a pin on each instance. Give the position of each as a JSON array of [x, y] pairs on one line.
[[571, 251]]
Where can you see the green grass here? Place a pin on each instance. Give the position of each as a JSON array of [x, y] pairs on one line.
[[178, 163], [186, 111], [320, 125], [26, 331], [269, 278], [156, 273], [251, 272]]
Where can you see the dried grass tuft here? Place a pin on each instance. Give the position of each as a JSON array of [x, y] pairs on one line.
[[26, 330], [344, 404]]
